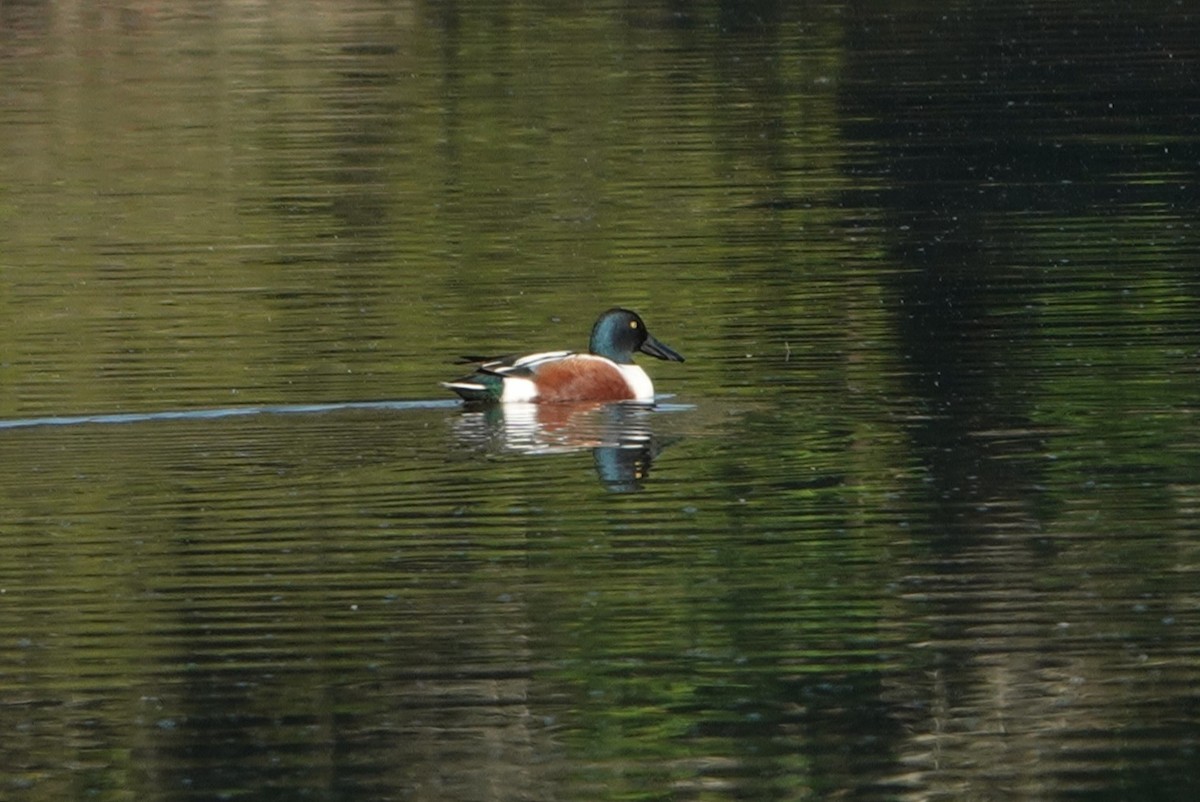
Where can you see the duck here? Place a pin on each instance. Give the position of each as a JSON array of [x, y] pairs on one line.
[[605, 373]]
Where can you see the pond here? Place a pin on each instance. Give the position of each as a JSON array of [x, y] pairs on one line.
[[916, 519]]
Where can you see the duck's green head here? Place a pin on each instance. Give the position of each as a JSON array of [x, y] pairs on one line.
[[619, 334]]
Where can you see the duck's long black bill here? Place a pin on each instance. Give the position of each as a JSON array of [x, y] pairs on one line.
[[654, 348]]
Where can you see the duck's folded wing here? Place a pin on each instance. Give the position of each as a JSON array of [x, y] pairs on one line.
[[524, 366]]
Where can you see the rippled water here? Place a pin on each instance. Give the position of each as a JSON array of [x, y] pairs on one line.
[[917, 519]]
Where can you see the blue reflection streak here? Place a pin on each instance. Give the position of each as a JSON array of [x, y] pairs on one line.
[[222, 412]]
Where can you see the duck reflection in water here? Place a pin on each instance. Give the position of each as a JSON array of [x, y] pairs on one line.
[[620, 436], [556, 401]]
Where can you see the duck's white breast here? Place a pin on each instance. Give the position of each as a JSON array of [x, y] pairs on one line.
[[639, 382]]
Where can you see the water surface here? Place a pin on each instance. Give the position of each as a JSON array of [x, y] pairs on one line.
[[915, 520]]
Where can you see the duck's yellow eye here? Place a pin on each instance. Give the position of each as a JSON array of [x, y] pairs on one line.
[[633, 324]]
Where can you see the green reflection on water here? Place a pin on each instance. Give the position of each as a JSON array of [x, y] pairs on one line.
[[331, 213], [926, 525]]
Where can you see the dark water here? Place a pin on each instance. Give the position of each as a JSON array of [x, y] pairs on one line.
[[917, 519]]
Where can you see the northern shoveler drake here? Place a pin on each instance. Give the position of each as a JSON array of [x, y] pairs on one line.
[[605, 373]]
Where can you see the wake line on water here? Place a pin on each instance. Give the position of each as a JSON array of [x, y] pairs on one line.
[[221, 412]]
